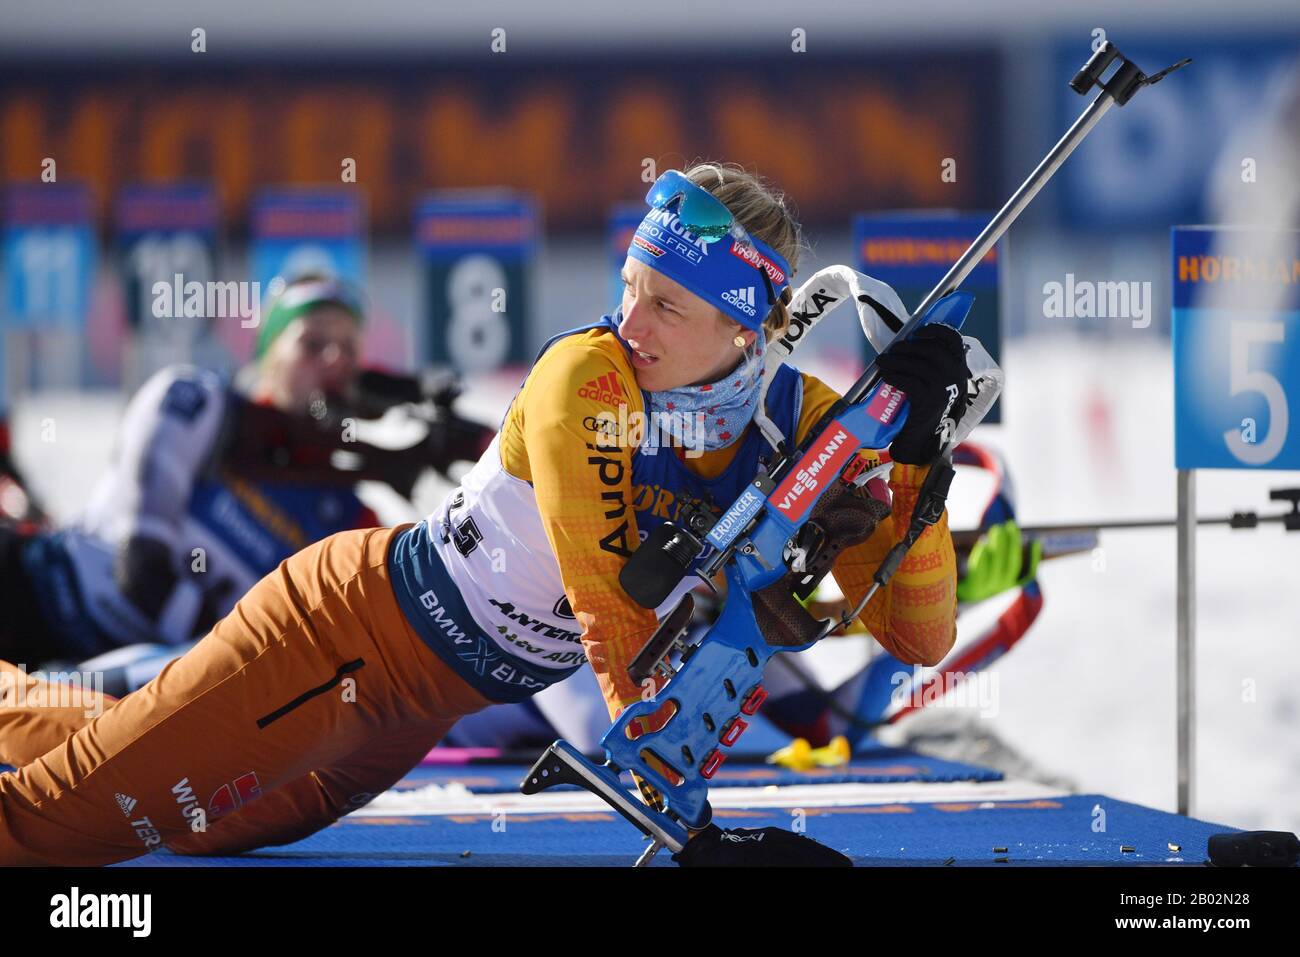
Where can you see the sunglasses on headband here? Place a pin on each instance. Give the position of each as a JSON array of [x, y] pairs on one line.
[[703, 214]]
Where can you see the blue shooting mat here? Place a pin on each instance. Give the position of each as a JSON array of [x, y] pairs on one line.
[[1042, 832], [1037, 832]]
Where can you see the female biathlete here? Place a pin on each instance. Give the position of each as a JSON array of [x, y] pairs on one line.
[[338, 671]]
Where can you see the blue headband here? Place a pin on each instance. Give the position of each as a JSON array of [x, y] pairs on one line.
[[724, 273]]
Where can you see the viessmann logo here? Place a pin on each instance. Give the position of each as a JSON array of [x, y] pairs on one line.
[[792, 495]]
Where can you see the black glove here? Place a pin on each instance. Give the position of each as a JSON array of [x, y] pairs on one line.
[[756, 847], [453, 439], [378, 391], [844, 516], [144, 574], [930, 367]]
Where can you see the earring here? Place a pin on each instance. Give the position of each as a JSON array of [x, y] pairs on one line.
[[739, 342]]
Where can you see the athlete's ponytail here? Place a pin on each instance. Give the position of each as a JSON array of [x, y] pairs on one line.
[[765, 212]]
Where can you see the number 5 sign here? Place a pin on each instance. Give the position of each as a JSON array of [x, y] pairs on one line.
[[1236, 329], [1236, 347]]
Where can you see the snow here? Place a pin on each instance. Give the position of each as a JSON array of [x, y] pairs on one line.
[[1100, 661]]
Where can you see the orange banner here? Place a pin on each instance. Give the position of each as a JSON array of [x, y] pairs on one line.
[[838, 134]]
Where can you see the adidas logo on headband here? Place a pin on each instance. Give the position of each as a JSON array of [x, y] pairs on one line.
[[742, 299]]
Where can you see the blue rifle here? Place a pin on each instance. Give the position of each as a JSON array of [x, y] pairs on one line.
[[718, 684]]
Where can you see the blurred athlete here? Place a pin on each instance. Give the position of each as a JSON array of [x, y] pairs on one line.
[[210, 488]]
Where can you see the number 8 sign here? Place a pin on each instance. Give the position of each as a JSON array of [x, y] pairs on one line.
[[1236, 348], [478, 249]]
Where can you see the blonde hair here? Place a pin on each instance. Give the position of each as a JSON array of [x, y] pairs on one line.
[[766, 213]]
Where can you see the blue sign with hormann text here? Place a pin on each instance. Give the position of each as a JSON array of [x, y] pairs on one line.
[[1236, 348]]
